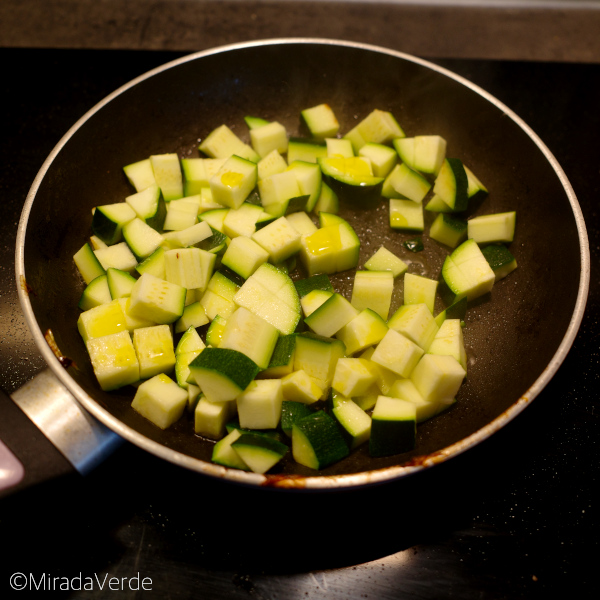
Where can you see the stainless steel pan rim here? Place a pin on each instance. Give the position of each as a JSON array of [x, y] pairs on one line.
[[315, 482]]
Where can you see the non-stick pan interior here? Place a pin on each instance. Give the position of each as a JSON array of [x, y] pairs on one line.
[[511, 335]]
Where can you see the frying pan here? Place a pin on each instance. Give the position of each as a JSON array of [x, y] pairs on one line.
[[516, 337]]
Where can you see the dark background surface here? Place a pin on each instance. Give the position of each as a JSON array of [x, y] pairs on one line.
[[515, 517]]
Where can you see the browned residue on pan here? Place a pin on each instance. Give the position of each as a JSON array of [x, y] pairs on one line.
[[26, 287], [65, 361]]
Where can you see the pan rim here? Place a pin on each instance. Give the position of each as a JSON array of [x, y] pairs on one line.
[[316, 481]]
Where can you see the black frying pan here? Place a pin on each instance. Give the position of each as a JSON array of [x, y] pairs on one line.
[[516, 337]]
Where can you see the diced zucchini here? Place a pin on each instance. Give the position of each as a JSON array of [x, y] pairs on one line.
[[210, 418], [384, 260], [466, 272], [352, 377], [416, 322], [373, 289], [223, 374], [157, 300], [118, 256], [269, 137], [331, 316], [354, 421], [259, 452], [160, 400], [451, 184], [279, 239], [317, 441], [406, 215], [234, 181], [282, 358], [351, 179], [96, 292], [309, 150], [383, 158], [438, 378], [250, 334], [223, 454], [291, 412], [366, 329], [114, 360], [259, 405], [339, 147], [420, 290], [140, 174], [154, 349], [109, 219], [449, 341], [194, 315], [500, 260], [168, 176], [449, 230], [223, 143], [397, 353], [101, 320], [299, 386], [405, 183], [491, 229], [320, 121], [87, 264], [393, 427]]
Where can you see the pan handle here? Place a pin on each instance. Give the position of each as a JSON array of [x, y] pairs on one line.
[[45, 434]]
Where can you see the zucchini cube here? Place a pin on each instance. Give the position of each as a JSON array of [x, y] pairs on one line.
[[466, 272], [154, 349], [222, 373], [182, 213], [317, 441], [234, 181], [97, 292], [244, 256], [299, 386], [88, 264], [242, 220], [489, 229], [406, 215], [223, 143], [449, 341], [353, 377], [313, 300], [331, 316], [373, 289], [193, 315], [354, 421], [416, 322], [405, 183], [282, 359], [101, 320], [405, 389], [279, 239], [250, 334], [117, 256], [318, 356], [339, 147], [160, 400], [451, 184], [393, 427], [271, 164], [210, 418], [259, 452], [438, 378], [321, 121], [114, 360], [449, 230], [157, 300], [397, 353], [259, 406], [108, 221], [190, 268], [167, 175], [140, 174], [384, 260], [383, 158], [223, 454], [267, 138], [366, 329], [500, 260], [420, 290]]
